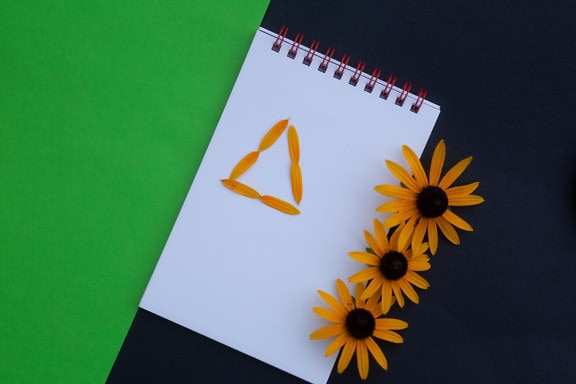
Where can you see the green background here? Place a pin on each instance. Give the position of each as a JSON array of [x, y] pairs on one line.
[[106, 109]]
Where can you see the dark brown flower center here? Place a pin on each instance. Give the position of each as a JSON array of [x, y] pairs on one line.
[[432, 202], [393, 265], [360, 323]]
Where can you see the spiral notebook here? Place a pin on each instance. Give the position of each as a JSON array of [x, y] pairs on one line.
[[244, 270]]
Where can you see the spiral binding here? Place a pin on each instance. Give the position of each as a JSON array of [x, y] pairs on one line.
[[388, 85]]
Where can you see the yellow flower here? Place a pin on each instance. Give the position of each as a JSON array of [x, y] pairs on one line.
[[392, 266], [424, 202], [356, 323]]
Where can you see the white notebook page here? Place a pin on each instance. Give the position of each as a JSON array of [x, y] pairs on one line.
[[246, 275]]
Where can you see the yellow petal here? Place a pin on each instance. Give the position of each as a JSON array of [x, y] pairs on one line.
[[345, 296], [396, 232], [364, 275], [279, 205], [391, 336], [293, 144], [273, 134], [457, 221], [387, 323], [372, 287], [419, 232], [373, 244], [328, 331], [396, 192], [397, 293], [362, 359], [346, 355], [296, 181], [408, 290], [405, 237], [455, 172], [244, 164], [376, 352], [381, 237], [373, 305], [465, 201], [404, 177], [418, 265], [337, 344], [448, 230], [329, 315], [240, 188], [432, 236], [437, 162], [386, 296], [359, 291], [417, 280], [365, 257], [397, 206], [415, 166], [461, 190], [333, 303], [400, 217]]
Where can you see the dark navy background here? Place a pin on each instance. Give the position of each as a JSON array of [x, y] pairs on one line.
[[501, 307]]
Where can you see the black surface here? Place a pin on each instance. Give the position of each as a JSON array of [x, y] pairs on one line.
[[501, 307]]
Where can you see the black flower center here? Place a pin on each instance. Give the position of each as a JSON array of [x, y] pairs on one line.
[[432, 202], [393, 265], [360, 323]]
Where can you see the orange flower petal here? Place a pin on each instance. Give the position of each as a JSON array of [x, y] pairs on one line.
[[400, 217], [387, 323], [404, 177], [359, 294], [328, 331], [455, 172], [373, 244], [408, 290], [362, 359], [372, 287], [381, 237], [333, 303], [296, 181], [345, 297], [457, 221], [240, 188], [280, 205], [417, 280], [418, 265], [347, 353], [465, 201], [397, 206], [461, 190], [391, 336], [244, 164], [405, 236], [397, 293], [433, 236], [329, 315], [365, 257], [364, 275], [293, 144], [335, 345], [437, 162], [448, 230], [273, 134], [376, 352], [396, 192], [415, 166], [386, 296], [419, 232]]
